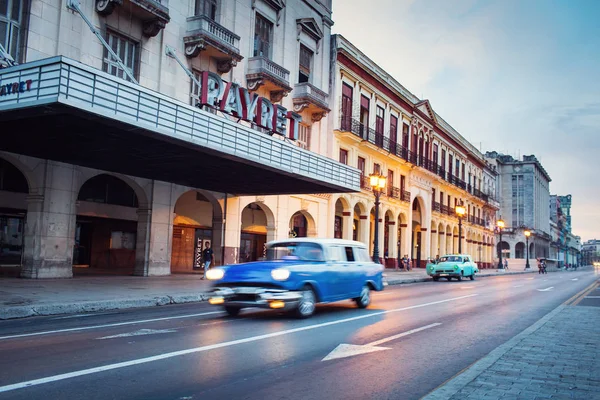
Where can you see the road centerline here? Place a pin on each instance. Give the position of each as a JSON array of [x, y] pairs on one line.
[[108, 367]]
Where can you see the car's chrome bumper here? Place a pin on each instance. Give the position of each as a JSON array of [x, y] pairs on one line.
[[255, 297]]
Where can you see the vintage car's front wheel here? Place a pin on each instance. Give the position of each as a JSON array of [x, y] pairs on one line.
[[232, 311], [365, 297], [435, 278], [307, 304], [472, 276]]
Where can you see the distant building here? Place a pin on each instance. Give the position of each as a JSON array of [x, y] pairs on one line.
[[565, 246], [523, 189], [590, 252]]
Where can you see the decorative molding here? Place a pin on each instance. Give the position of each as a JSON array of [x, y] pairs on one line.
[[316, 117], [106, 7], [304, 204], [276, 5], [300, 106], [277, 95], [151, 28], [260, 199], [224, 66], [311, 28], [254, 83], [193, 49]]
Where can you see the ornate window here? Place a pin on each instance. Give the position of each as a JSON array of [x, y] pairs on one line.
[[207, 8], [127, 49], [11, 16], [263, 37], [304, 136], [304, 69]]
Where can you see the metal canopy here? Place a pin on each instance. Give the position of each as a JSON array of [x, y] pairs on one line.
[[76, 114]]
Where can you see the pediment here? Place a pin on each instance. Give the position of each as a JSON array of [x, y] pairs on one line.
[[425, 107], [277, 5], [310, 27]]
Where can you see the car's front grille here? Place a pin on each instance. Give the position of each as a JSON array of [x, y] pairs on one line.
[[244, 297]]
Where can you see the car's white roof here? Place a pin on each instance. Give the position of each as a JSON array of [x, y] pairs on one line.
[[461, 255], [322, 241]]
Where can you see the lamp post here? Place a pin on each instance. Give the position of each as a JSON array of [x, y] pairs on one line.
[[500, 225], [378, 182], [460, 213], [527, 233]]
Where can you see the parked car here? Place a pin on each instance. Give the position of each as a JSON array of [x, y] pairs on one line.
[[296, 275], [450, 266]]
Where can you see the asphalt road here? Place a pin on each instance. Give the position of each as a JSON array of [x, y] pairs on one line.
[[417, 336]]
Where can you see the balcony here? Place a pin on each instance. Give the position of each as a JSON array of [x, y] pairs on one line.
[[153, 14], [436, 206], [274, 78], [308, 97], [204, 34], [405, 196]]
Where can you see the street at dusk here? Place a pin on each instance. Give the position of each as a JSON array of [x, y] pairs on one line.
[[299, 199], [412, 338]]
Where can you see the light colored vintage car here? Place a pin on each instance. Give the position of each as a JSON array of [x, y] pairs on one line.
[[297, 274], [450, 266]]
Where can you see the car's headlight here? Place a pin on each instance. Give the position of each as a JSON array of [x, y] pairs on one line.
[[215, 274], [456, 267], [280, 274]]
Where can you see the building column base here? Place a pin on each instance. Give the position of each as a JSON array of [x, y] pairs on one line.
[[46, 269]]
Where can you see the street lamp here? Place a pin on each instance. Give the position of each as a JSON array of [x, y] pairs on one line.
[[500, 225], [527, 233], [378, 182], [460, 213]]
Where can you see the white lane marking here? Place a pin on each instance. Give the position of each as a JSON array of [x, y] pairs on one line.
[[130, 363], [545, 290], [592, 297], [83, 328], [576, 279], [140, 332], [518, 286], [348, 350], [394, 337], [467, 287], [529, 279], [383, 294]]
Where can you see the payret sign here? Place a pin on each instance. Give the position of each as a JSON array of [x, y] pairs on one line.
[[233, 99]]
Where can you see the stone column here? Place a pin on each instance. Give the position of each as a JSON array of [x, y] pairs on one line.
[[50, 226], [434, 244], [347, 223], [142, 242], [381, 228], [365, 230], [393, 244], [217, 240], [161, 230]]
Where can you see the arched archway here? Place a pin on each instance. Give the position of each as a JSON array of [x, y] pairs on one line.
[[342, 220], [520, 250], [505, 249], [197, 222], [418, 239], [14, 188], [107, 232], [360, 223], [302, 224], [389, 239], [257, 228]]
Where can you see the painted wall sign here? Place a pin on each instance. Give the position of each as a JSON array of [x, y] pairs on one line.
[[233, 99], [15, 87]]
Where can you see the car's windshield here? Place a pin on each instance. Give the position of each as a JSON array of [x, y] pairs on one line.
[[295, 251], [451, 259]]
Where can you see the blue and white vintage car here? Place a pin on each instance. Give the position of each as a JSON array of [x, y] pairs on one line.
[[296, 275], [450, 266]]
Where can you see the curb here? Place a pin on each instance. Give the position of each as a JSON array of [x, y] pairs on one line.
[[95, 306]]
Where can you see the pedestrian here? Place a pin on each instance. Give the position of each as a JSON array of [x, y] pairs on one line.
[[408, 263], [207, 257], [505, 264], [539, 264]]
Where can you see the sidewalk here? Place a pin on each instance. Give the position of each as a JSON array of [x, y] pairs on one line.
[[21, 298], [558, 357]]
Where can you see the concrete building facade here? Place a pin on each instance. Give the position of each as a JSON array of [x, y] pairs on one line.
[[380, 127], [132, 166], [523, 188]]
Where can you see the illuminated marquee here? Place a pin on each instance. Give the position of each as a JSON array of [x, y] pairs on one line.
[[15, 87], [233, 99]]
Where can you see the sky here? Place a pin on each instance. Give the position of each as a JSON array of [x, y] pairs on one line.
[[516, 76]]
